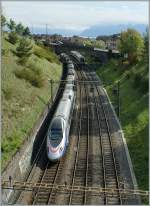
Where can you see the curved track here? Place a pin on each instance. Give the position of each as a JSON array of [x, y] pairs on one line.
[[109, 166], [90, 160]]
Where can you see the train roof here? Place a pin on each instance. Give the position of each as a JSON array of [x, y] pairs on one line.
[[69, 86], [70, 66], [71, 72], [68, 93], [70, 62], [70, 78], [64, 106]]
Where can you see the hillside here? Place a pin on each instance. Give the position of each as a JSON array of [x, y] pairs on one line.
[[23, 97], [133, 110]]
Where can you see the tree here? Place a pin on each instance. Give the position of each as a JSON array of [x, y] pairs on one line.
[[146, 45], [131, 44], [12, 37], [3, 21], [11, 25], [24, 49], [19, 29], [26, 32], [99, 44]]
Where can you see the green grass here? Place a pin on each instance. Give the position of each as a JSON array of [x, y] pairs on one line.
[[43, 52], [22, 103], [134, 113]]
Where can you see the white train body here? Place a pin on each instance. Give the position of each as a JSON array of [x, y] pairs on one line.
[[58, 132]]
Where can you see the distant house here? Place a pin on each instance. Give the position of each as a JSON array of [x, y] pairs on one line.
[[111, 41]]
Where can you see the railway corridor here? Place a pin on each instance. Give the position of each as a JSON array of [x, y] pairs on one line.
[[91, 159]]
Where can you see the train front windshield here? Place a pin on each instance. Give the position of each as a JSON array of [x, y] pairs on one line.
[[56, 134]]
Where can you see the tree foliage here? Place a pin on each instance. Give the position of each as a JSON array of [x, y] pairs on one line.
[[12, 37], [26, 31], [146, 45], [11, 25], [132, 44], [19, 29], [3, 21], [24, 49]]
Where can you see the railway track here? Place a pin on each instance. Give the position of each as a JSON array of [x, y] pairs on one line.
[[108, 164], [81, 161], [93, 163], [78, 171], [40, 167], [51, 176], [83, 166]]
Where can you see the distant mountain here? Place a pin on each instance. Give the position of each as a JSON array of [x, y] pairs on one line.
[[93, 31], [64, 32], [97, 30]]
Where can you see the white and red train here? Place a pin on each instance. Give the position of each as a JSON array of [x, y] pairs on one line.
[[58, 132]]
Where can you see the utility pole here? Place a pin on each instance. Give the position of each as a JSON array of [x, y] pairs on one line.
[[116, 92], [118, 85], [46, 32]]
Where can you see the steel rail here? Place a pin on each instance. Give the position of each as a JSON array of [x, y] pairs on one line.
[[77, 152], [101, 143], [103, 157], [33, 166], [87, 153], [40, 183], [44, 177], [54, 182], [112, 150], [101, 148]]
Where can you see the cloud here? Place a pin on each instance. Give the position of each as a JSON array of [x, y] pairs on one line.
[[75, 15]]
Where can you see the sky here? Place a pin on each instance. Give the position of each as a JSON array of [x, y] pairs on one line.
[[76, 16]]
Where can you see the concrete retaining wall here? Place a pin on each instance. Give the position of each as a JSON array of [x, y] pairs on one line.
[[20, 163]]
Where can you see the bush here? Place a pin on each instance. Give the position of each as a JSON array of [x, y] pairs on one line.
[[35, 69], [5, 52], [8, 92], [42, 53], [34, 75], [24, 49], [37, 81], [128, 75], [13, 38], [137, 80], [144, 84], [23, 60], [141, 82], [38, 42]]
